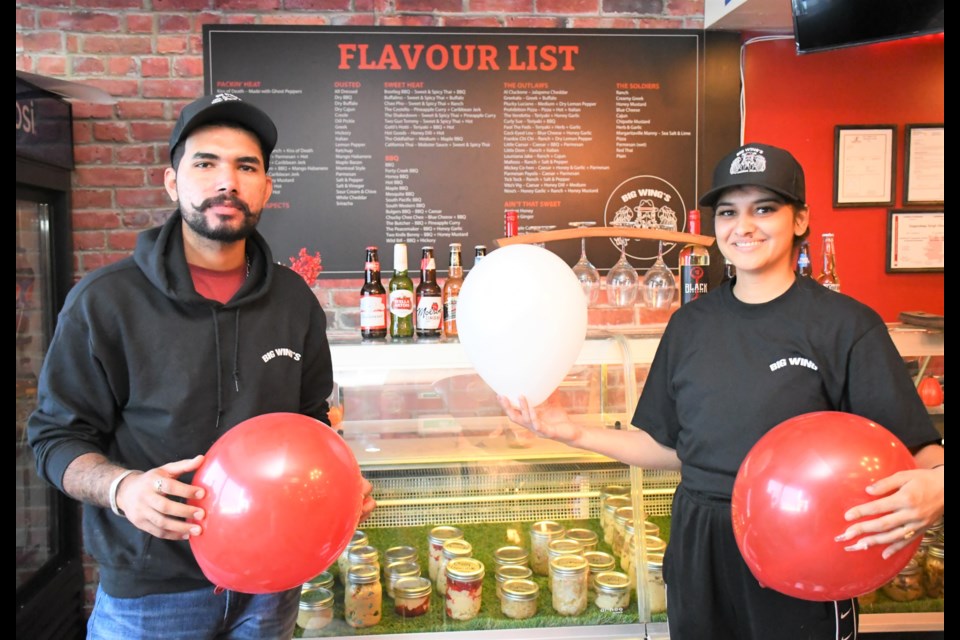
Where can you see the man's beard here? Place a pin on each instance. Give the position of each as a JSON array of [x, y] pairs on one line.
[[198, 222]]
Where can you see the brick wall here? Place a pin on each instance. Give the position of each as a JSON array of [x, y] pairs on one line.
[[148, 55]]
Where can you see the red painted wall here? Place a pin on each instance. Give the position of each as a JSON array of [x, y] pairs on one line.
[[795, 102]]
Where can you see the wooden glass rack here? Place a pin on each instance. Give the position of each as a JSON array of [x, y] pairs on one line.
[[607, 232]]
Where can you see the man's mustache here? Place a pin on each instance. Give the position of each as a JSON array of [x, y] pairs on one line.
[[223, 199]]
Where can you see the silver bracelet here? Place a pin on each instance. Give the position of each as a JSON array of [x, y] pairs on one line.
[[114, 486]]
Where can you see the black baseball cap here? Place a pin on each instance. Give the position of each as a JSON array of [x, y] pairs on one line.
[[758, 165], [225, 107]]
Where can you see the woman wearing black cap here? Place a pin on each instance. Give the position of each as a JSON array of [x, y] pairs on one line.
[[691, 419]]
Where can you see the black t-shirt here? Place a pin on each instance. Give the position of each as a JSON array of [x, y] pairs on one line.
[[726, 372]]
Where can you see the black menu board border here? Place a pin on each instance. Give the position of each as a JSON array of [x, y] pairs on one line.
[[428, 135]]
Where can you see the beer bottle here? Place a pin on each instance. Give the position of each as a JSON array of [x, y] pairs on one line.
[[429, 298], [479, 252], [373, 299], [694, 264], [804, 266], [828, 273], [400, 300], [451, 292]]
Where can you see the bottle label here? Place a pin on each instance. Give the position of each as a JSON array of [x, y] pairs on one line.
[[803, 261], [373, 312], [429, 312], [450, 309], [371, 266], [833, 286], [694, 283], [401, 303]]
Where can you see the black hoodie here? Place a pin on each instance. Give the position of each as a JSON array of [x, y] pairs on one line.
[[145, 371]]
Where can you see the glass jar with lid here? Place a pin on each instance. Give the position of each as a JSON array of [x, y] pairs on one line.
[[588, 539], [396, 571], [651, 529], [511, 572], [541, 534], [629, 547], [343, 562], [435, 539], [933, 571], [518, 599], [610, 506], [620, 517], [456, 548], [398, 554], [362, 596], [612, 591], [511, 555], [656, 589], [411, 596], [569, 584], [315, 612], [365, 554], [907, 585], [598, 561], [563, 547], [322, 580], [464, 580]]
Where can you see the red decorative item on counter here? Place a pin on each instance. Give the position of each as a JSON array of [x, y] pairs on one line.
[[930, 391], [282, 500], [307, 266], [789, 500]]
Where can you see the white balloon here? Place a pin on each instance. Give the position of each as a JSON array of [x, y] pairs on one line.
[[522, 319]]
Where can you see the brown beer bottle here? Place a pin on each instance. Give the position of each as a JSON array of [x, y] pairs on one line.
[[373, 299], [429, 298], [451, 291], [828, 273]]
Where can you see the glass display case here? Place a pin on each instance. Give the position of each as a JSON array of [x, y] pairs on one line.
[[431, 437]]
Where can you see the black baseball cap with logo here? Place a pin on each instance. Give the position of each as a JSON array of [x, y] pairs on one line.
[[225, 107], [758, 165]]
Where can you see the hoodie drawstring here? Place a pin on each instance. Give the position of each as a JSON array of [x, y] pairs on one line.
[[236, 353], [216, 340], [236, 359]]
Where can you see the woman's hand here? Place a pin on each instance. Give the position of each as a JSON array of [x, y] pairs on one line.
[[915, 502], [549, 420]]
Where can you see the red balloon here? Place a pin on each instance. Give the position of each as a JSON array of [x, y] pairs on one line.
[[283, 497], [790, 495]]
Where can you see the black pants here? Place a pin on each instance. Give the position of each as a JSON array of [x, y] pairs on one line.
[[712, 595]]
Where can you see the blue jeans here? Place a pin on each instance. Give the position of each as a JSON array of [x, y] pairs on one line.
[[195, 615]]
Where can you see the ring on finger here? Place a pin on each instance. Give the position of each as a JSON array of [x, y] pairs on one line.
[[158, 485], [909, 534]]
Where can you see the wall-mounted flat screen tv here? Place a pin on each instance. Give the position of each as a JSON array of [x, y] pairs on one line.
[[820, 25]]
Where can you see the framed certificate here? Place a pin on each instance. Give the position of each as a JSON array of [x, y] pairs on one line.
[[923, 165], [914, 241], [864, 165]]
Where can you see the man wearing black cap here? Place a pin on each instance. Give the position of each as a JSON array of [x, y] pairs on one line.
[[756, 351], [155, 357]]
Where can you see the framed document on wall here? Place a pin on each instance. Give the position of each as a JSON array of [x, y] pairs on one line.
[[914, 240], [923, 165], [864, 165]]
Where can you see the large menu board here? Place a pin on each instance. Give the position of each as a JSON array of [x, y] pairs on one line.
[[427, 136]]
